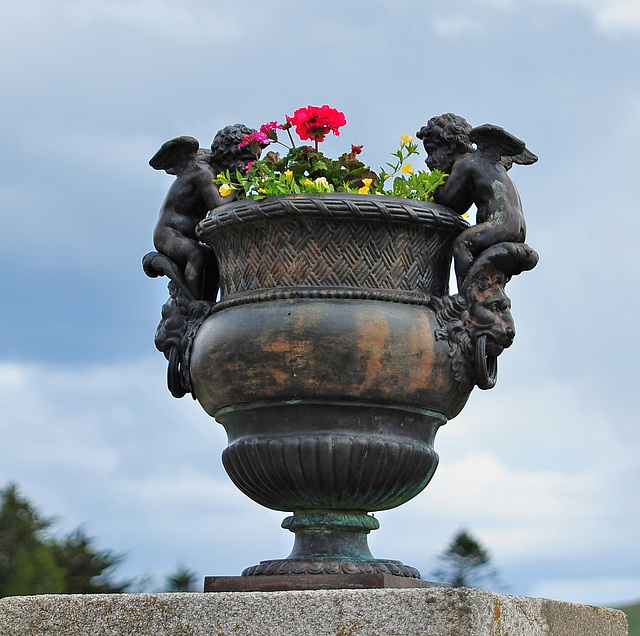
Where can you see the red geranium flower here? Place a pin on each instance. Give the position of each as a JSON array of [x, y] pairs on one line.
[[316, 122]]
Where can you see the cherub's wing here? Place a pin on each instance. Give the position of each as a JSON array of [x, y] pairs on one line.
[[496, 141], [204, 155], [525, 158], [171, 151]]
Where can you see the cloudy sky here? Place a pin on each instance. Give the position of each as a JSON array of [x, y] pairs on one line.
[[543, 469]]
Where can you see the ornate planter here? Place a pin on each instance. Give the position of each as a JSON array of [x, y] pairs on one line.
[[321, 360], [318, 329]]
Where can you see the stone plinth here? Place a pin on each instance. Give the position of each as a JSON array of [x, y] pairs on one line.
[[390, 612]]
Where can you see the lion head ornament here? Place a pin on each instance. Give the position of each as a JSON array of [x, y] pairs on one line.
[[477, 321]]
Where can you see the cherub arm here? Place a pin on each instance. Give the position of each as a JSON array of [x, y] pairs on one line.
[[208, 189], [455, 192]]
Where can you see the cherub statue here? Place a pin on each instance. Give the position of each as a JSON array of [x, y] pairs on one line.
[[477, 177], [189, 199], [190, 265]]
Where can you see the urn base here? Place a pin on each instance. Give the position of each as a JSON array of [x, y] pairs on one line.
[[330, 462], [330, 542]]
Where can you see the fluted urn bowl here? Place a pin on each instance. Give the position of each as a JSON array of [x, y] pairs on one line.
[[320, 360]]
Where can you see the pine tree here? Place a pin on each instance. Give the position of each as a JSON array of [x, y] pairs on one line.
[[86, 569], [34, 562], [27, 565], [465, 563], [182, 580]]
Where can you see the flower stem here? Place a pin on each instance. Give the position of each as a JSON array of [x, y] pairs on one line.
[[293, 143]]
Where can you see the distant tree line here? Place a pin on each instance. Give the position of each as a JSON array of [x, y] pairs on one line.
[[35, 561]]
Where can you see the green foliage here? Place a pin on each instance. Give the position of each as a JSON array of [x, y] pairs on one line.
[[633, 615], [87, 570], [182, 580], [307, 170], [32, 562], [465, 563], [404, 181], [34, 571], [25, 562]]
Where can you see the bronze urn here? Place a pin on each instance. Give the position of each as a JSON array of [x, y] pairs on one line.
[[320, 360], [318, 329]]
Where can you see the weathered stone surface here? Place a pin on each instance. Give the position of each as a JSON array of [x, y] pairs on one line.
[[403, 612]]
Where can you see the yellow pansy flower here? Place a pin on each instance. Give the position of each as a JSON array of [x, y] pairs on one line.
[[308, 182], [226, 190], [405, 139], [262, 191], [288, 174], [365, 188], [408, 169]]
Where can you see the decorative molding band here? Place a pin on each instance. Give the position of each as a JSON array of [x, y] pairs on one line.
[[333, 293], [356, 522], [331, 566]]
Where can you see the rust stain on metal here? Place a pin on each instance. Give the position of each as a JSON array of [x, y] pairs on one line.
[[373, 334], [425, 371], [278, 346]]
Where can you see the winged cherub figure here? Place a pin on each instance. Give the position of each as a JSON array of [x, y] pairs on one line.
[[477, 177], [191, 196]]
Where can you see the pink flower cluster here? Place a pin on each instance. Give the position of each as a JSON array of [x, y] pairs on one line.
[[270, 130], [257, 137]]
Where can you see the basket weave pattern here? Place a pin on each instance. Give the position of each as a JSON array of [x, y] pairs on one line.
[[332, 241]]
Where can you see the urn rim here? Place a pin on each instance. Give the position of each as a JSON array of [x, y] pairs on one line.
[[336, 205]]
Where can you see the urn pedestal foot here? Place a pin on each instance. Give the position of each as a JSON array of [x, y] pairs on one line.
[[330, 542]]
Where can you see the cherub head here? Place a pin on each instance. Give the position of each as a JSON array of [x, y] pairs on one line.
[[445, 138], [226, 153]]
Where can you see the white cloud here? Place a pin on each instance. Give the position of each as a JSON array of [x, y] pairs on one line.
[[613, 16], [107, 445], [193, 21], [481, 486], [620, 17], [466, 19], [454, 25]]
